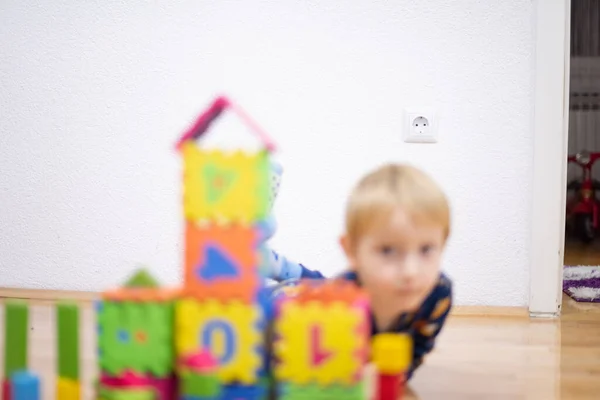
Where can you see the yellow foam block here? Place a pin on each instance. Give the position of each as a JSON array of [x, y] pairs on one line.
[[319, 343], [228, 187], [68, 389], [392, 352], [229, 330]]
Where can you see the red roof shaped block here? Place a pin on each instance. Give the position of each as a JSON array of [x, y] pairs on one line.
[[214, 111]]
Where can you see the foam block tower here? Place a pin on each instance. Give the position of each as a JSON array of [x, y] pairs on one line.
[[226, 197], [204, 340]]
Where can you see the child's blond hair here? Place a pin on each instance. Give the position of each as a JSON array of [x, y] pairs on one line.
[[390, 186]]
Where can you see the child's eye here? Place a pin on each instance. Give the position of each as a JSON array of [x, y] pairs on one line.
[[425, 250], [387, 250]]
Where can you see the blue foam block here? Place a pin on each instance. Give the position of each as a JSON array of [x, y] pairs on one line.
[[25, 386], [237, 392]]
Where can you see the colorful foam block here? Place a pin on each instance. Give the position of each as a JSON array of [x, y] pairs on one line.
[[67, 389], [230, 331], [137, 336], [199, 385], [142, 279], [126, 394], [16, 314], [229, 187], [319, 392], [389, 387], [163, 388], [221, 262], [25, 386], [243, 392], [68, 340], [392, 352], [324, 341], [6, 390]]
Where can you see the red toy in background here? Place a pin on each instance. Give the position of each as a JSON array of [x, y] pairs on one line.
[[582, 209]]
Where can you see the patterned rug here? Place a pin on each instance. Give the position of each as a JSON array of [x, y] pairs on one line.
[[582, 283]]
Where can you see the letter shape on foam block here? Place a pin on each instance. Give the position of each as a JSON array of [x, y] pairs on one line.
[[221, 262], [231, 187], [229, 330], [320, 343]]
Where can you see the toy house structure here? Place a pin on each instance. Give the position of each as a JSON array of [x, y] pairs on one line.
[[148, 335]]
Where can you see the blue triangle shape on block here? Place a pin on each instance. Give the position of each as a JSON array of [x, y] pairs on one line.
[[217, 265]]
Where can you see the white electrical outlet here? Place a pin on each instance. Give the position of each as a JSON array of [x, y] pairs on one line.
[[420, 126]]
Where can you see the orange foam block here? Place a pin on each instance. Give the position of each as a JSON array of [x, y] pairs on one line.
[[221, 262]]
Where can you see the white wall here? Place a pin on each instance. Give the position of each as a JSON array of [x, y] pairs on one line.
[[94, 94]]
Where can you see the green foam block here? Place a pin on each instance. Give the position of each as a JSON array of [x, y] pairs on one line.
[[136, 336], [127, 394], [16, 315], [330, 392], [199, 385], [68, 340]]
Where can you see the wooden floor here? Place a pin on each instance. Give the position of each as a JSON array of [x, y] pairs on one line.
[[577, 253]]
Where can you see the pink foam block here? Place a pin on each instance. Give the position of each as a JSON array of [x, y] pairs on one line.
[[363, 331], [6, 392], [201, 361], [166, 388]]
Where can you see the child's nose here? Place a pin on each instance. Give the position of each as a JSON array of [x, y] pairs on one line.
[[409, 270]]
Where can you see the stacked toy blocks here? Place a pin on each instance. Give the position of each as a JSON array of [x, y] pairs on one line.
[[391, 355], [322, 341], [135, 340], [219, 315]]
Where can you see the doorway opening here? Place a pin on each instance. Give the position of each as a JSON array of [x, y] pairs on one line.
[[581, 272]]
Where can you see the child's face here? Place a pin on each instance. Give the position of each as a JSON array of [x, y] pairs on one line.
[[398, 262]]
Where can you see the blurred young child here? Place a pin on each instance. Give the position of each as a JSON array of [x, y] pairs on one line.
[[397, 224]]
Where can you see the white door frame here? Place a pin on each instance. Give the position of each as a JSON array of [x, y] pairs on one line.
[[551, 123]]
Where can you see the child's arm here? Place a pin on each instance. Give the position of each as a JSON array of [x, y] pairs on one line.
[[427, 330], [283, 269]]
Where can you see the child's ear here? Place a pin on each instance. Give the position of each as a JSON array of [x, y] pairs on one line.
[[348, 250]]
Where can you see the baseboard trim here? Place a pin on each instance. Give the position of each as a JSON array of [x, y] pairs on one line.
[[43, 295], [489, 311]]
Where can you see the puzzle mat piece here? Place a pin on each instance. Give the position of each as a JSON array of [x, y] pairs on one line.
[[230, 187], [230, 330], [136, 336], [319, 343], [318, 392], [213, 253], [228, 132], [199, 385]]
